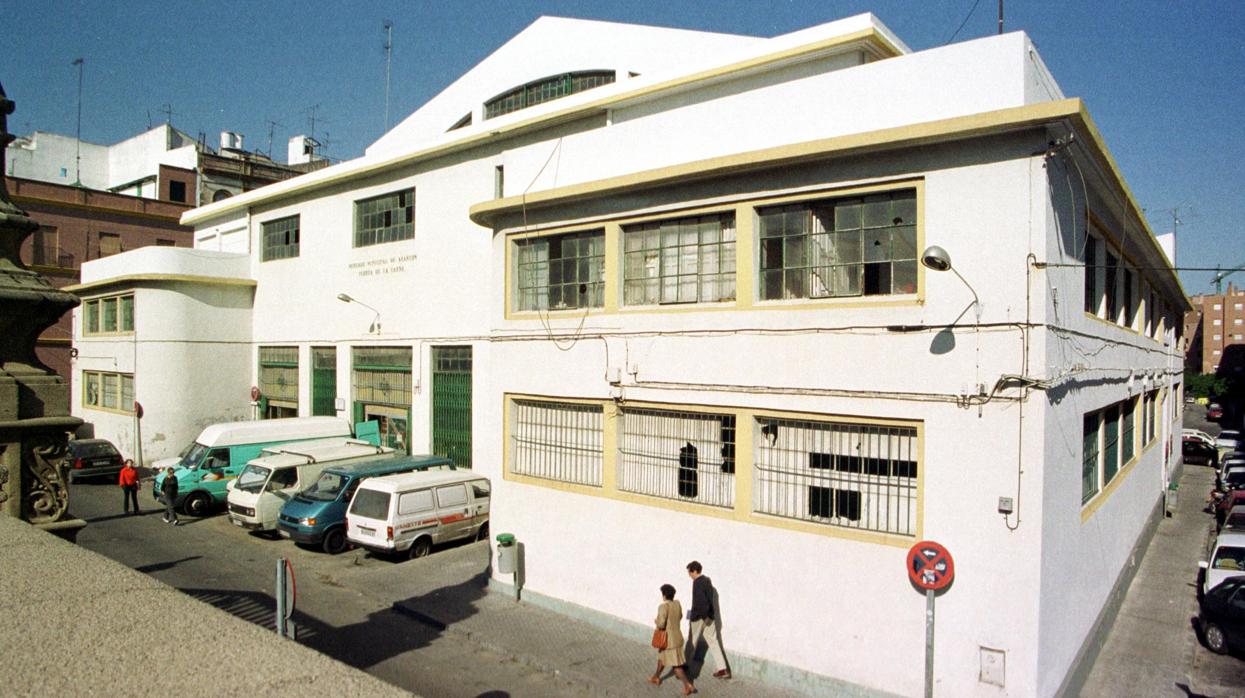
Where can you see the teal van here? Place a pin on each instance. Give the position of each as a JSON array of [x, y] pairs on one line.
[[222, 450], [317, 516]]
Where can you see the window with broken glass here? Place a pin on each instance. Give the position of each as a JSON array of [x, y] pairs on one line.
[[857, 246], [684, 456], [557, 441], [856, 476], [386, 218], [684, 260], [560, 272], [280, 239]]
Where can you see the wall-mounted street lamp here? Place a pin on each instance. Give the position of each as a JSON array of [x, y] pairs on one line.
[[375, 327], [937, 259]]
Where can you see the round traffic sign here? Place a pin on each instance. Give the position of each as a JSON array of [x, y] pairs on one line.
[[930, 566], [254, 393]]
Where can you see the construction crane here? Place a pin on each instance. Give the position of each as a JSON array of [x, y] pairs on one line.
[[1219, 276]]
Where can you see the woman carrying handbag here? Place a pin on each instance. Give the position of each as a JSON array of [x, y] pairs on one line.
[[668, 640]]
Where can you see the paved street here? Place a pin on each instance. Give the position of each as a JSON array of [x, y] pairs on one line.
[[233, 570]]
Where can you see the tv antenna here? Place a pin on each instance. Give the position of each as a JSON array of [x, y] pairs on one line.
[[272, 125], [388, 65]]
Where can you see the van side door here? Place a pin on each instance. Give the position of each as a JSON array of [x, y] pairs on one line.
[[454, 511], [480, 492]]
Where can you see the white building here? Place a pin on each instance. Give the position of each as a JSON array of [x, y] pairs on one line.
[[671, 284]]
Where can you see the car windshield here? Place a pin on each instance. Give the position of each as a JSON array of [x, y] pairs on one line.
[[370, 504], [1235, 479], [252, 478], [94, 450], [191, 455], [1229, 558], [326, 488], [1229, 435]]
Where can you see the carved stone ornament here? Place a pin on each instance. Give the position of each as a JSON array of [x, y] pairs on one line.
[[47, 494]]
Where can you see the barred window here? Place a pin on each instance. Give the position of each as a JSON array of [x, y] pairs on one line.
[[842, 247], [557, 441], [278, 380], [560, 272], [1128, 436], [684, 260], [385, 218], [684, 456], [544, 90], [280, 238], [1089, 457], [382, 375], [846, 475]]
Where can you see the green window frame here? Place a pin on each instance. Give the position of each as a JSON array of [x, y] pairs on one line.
[[111, 391], [127, 313], [1089, 456], [842, 247], [90, 389], [560, 272], [280, 238], [108, 315], [278, 378], [385, 218], [382, 375], [545, 90], [680, 260], [1110, 443], [1128, 436], [90, 312]]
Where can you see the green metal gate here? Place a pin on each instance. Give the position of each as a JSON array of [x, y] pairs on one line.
[[451, 404], [323, 381]]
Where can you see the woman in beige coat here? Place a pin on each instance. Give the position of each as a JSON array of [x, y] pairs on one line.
[[669, 618]]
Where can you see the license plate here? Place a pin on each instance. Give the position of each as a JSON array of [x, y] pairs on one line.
[[284, 533], [236, 522], [369, 531]]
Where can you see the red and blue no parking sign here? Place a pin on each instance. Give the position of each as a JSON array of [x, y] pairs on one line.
[[930, 566]]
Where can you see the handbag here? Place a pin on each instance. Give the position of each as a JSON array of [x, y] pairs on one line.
[[660, 639]]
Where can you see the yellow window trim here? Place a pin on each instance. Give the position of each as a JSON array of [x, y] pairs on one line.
[[745, 211], [742, 510], [100, 376]]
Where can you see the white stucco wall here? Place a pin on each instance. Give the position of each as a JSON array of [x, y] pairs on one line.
[[44, 155]]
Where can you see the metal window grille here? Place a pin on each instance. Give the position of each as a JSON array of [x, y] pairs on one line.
[[845, 475], [1089, 457], [843, 247], [45, 246], [280, 238], [451, 403], [385, 218], [544, 90], [684, 456], [278, 374], [561, 272], [382, 375], [1127, 430], [557, 441], [1110, 443], [685, 260]]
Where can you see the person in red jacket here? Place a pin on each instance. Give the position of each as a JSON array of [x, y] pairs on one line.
[[129, 485]]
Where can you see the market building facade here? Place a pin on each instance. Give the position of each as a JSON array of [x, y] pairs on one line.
[[694, 296]]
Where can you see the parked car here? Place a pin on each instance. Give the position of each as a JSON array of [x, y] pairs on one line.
[[1235, 519], [1229, 440], [1214, 411], [1221, 615], [317, 516], [1232, 476], [1198, 451], [1226, 502], [93, 457], [408, 513], [1227, 559], [1198, 434]]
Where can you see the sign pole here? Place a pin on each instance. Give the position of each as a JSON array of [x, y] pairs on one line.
[[929, 643]]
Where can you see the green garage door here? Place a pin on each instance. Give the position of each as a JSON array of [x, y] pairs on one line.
[[451, 404]]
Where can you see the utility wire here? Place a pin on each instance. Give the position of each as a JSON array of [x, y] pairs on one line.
[[966, 18]]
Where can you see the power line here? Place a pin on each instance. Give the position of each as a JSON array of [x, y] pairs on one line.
[[966, 18]]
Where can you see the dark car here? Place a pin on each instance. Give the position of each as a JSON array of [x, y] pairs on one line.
[[1198, 451], [1221, 615], [92, 457]]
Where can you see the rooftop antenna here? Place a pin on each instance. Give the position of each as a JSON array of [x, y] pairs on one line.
[[1000, 16], [388, 65], [78, 154], [272, 125], [167, 110]]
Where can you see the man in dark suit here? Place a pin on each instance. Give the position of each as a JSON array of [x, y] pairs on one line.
[[703, 619]]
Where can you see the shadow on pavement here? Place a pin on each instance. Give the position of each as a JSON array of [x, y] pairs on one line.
[[159, 566], [443, 607]]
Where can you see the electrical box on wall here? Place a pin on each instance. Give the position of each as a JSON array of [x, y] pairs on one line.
[[1005, 505], [993, 666]]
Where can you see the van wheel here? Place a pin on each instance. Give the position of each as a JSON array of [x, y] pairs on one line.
[[1216, 641], [420, 548], [197, 504], [483, 533], [334, 541]]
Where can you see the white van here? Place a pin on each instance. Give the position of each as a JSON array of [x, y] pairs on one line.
[[408, 513], [281, 472]]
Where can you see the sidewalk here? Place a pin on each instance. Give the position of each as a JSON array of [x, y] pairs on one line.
[[448, 591], [1151, 648]]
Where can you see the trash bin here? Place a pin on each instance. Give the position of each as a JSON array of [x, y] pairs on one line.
[[507, 553]]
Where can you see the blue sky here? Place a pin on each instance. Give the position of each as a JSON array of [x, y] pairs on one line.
[[1163, 80]]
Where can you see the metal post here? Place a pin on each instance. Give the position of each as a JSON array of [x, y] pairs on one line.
[[280, 625], [929, 643]]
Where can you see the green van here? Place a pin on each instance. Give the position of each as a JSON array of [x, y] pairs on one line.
[[222, 450]]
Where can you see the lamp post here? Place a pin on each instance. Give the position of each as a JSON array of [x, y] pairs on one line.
[[375, 326], [937, 259]]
